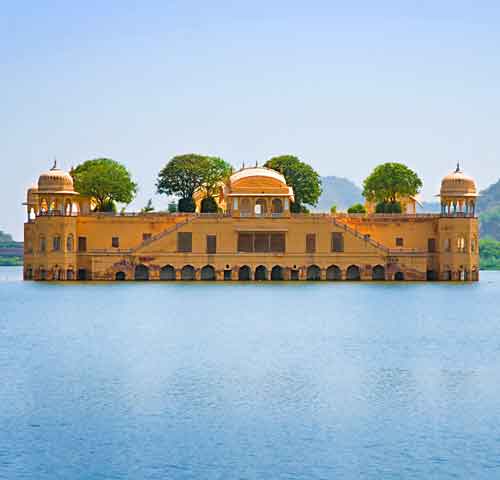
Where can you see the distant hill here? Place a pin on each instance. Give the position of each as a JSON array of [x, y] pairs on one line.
[[5, 237], [488, 206], [338, 191], [11, 252]]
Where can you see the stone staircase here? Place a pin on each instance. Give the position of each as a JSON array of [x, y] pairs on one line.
[[163, 234], [379, 246]]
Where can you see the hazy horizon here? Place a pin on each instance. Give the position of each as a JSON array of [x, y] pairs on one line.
[[344, 87]]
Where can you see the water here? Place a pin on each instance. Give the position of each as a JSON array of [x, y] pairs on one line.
[[232, 381]]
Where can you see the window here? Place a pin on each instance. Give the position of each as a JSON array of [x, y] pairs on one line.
[[69, 243], [431, 245], [399, 242], [235, 203], [185, 242], [311, 243], [337, 242], [473, 245], [82, 244], [56, 243], [146, 237], [211, 244], [43, 244], [461, 244], [447, 245], [245, 242], [115, 242], [261, 242]]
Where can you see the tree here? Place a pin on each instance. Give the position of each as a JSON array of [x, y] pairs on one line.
[[304, 180], [333, 209], [148, 208], [390, 182], [388, 207], [356, 208], [105, 181], [184, 174], [209, 205]]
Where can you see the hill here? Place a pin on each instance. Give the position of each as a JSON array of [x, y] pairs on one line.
[[11, 252], [338, 191], [489, 211]]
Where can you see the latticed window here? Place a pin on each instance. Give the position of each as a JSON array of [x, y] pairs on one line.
[[337, 242], [115, 242], [261, 242], [277, 242], [211, 244], [311, 243], [245, 242], [185, 242]]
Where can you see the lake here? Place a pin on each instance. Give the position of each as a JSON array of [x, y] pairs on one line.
[[249, 381]]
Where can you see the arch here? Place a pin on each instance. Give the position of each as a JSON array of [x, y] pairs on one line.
[[353, 273], [120, 276], [44, 206], [260, 206], [277, 273], [277, 206], [432, 275], [208, 273], [188, 273], [141, 272], [43, 274], [167, 273], [244, 273], [378, 273], [82, 274], [399, 276], [333, 273], [260, 273], [31, 214], [313, 273], [70, 275]]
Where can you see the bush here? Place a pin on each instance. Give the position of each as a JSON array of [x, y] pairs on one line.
[[333, 209], [356, 208], [388, 207], [209, 205], [186, 205]]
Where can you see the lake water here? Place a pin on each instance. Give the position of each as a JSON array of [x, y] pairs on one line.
[[257, 381]]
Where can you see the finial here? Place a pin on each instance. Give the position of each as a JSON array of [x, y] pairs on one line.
[[243, 166], [54, 167], [256, 163], [458, 167]]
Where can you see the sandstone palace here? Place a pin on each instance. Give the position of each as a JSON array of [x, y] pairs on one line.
[[253, 237]]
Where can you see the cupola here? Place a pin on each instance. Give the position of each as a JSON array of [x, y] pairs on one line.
[[458, 194]]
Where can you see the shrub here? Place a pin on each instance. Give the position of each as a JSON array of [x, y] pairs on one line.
[[209, 205], [356, 208], [186, 205]]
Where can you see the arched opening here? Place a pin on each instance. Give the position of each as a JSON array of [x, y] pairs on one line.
[[60, 274], [399, 276], [29, 274], [261, 273], [208, 273], [32, 214], [120, 276], [43, 274], [141, 273], [44, 206], [187, 273], [353, 273], [277, 206], [313, 273], [82, 274], [333, 273], [294, 274], [244, 273], [167, 273], [378, 273], [245, 206], [70, 274], [277, 273], [260, 206], [432, 275]]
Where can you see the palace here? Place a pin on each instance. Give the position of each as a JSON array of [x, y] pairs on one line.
[[254, 237]]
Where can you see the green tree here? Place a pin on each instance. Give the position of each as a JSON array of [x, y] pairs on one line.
[[356, 208], [105, 181], [388, 207], [489, 250], [304, 180], [333, 209], [389, 182], [184, 174]]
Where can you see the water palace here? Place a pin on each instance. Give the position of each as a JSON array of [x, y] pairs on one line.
[[255, 237]]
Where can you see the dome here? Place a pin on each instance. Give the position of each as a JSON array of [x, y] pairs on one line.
[[457, 184], [257, 172], [258, 181], [55, 181]]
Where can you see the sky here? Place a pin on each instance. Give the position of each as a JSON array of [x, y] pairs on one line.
[[343, 85]]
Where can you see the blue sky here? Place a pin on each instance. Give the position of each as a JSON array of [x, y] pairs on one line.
[[343, 85]]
